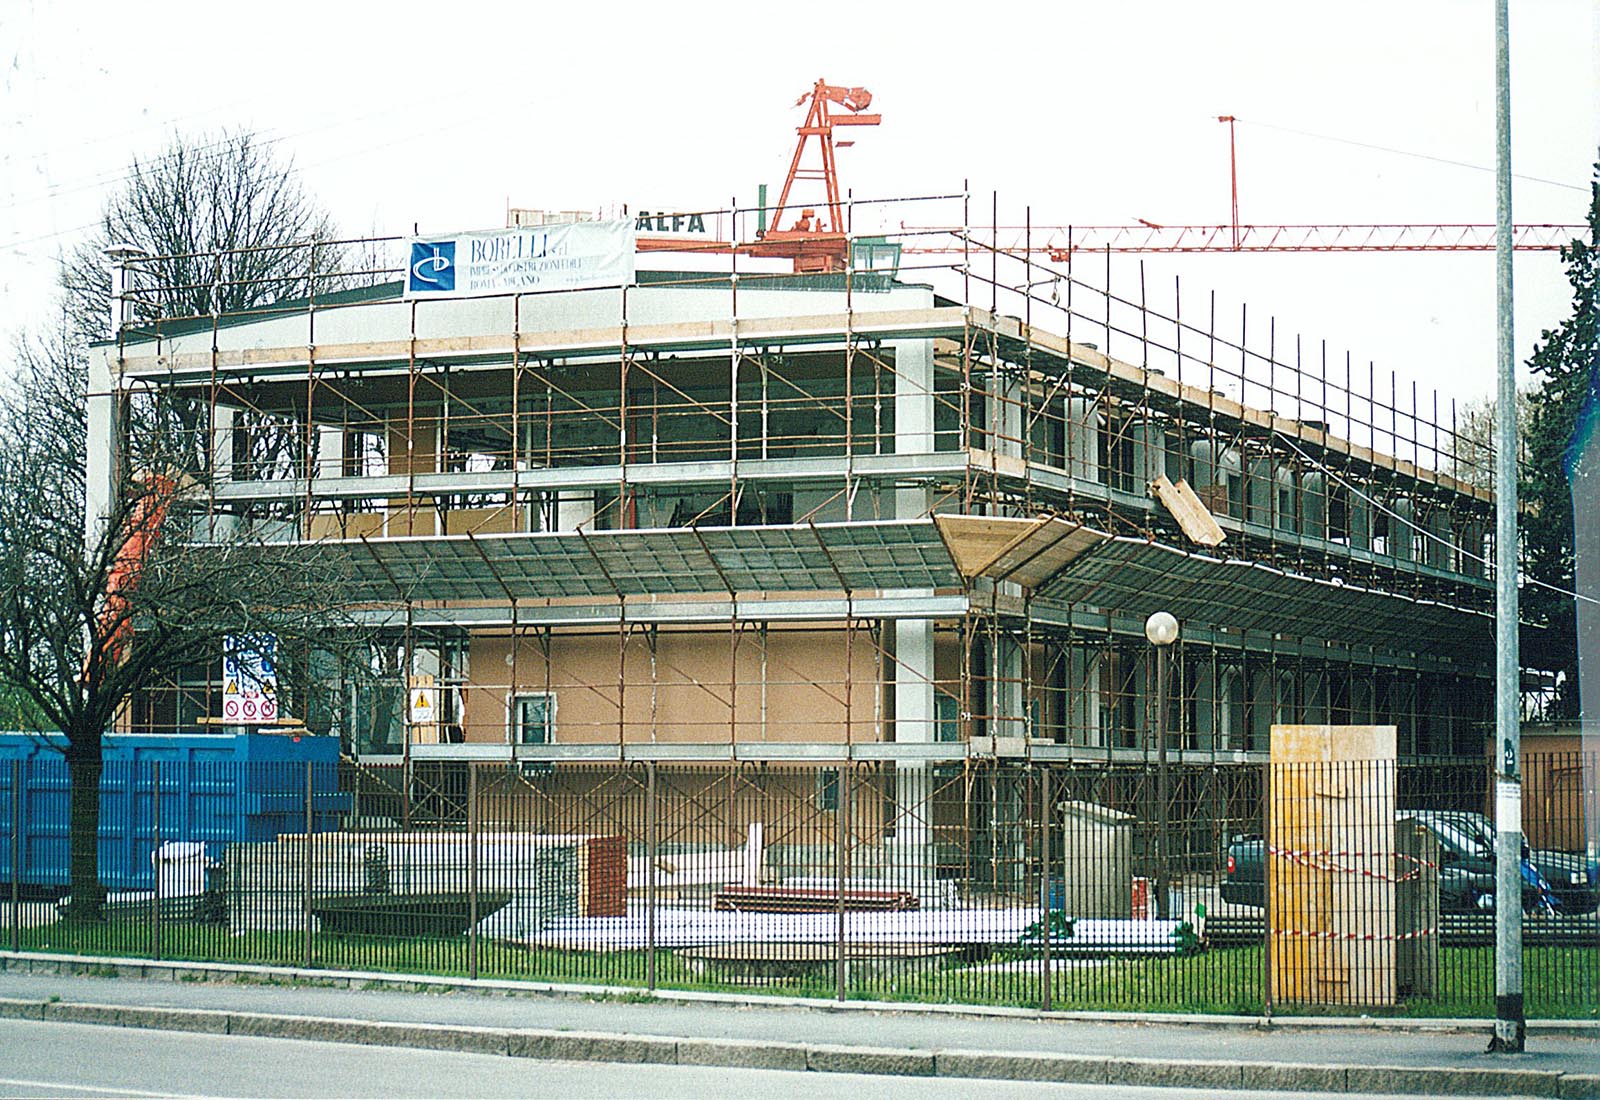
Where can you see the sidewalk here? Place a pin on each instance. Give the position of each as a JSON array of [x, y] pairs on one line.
[[1324, 1054]]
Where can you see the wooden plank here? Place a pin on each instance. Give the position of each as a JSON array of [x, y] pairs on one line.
[[975, 541], [1025, 551], [1180, 500]]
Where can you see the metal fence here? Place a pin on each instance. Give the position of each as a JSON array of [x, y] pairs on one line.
[[1330, 887]]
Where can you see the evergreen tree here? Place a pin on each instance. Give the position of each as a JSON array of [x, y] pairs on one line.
[[1565, 362]]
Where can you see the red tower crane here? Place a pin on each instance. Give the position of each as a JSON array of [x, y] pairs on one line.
[[1060, 242]]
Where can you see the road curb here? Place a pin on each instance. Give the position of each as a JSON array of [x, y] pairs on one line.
[[591, 1046], [156, 970]]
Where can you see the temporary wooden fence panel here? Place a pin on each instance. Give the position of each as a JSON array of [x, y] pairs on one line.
[[1330, 861]]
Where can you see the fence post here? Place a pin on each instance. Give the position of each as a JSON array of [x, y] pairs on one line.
[[16, 854], [1266, 888], [841, 824], [305, 874], [1046, 913], [651, 840], [472, 868], [405, 794], [155, 856]]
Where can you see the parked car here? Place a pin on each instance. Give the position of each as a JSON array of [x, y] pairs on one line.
[[1554, 881]]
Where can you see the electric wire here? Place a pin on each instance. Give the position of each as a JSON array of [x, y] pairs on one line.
[[1412, 153], [1396, 517]]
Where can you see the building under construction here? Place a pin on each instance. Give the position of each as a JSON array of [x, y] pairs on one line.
[[914, 503]]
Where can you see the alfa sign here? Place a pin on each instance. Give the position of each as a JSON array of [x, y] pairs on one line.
[[521, 260], [250, 679], [691, 226]]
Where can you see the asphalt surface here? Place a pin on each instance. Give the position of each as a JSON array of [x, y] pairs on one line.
[[81, 1060], [1341, 1045]]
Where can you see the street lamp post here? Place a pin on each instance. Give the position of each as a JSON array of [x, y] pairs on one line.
[[1162, 630]]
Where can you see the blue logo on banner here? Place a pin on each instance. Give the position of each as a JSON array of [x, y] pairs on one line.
[[433, 266]]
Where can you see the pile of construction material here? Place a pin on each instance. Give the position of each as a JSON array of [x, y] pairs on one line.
[[548, 877]]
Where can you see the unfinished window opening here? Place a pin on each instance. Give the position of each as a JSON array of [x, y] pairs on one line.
[[533, 718]]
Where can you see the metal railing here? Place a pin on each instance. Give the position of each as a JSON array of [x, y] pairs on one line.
[[1329, 887]]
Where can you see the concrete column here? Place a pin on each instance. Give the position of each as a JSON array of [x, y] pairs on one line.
[[915, 717], [573, 509], [913, 415], [1007, 418], [222, 443], [330, 451], [104, 444], [915, 722], [223, 523]]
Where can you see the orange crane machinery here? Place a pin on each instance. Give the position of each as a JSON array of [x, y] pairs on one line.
[[143, 528], [816, 240]]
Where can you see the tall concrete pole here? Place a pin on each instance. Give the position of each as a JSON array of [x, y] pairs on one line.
[[1510, 1025]]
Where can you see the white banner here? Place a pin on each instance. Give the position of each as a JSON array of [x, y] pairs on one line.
[[250, 679], [510, 261]]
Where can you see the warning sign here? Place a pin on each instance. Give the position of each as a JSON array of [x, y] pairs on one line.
[[424, 705], [250, 679]]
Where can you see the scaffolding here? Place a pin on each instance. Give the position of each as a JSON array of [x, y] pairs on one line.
[[901, 511]]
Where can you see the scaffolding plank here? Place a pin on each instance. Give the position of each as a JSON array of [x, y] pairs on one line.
[[1195, 520]]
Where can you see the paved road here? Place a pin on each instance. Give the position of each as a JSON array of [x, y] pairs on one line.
[[85, 1062], [1339, 1046]]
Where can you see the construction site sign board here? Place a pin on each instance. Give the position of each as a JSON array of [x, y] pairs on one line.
[[675, 224], [250, 679], [522, 260]]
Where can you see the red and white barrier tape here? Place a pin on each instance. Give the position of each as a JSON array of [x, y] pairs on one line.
[[1301, 933], [1314, 858]]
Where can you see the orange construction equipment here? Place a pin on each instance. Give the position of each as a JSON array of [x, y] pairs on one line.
[[817, 241], [144, 523]]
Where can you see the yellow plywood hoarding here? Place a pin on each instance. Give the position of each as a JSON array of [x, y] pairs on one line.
[[1330, 865]]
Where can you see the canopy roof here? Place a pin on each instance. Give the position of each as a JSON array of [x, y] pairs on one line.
[[1054, 558]]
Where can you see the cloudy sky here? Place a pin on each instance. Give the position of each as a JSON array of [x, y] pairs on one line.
[[1085, 113]]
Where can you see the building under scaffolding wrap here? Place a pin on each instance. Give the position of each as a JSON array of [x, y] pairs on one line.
[[917, 511]]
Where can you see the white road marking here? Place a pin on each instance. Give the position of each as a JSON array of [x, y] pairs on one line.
[[98, 1089]]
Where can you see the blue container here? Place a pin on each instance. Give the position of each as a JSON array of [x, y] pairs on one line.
[[215, 789]]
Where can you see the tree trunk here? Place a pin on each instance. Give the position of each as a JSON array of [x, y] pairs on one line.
[[83, 776]]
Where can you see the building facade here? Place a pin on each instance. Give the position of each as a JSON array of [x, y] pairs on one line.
[[767, 516]]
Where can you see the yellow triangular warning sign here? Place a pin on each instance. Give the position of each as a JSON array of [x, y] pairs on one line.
[[423, 702], [232, 688]]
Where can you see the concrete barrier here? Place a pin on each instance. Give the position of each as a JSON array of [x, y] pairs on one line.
[[1453, 1082], [741, 1053], [1580, 1086], [1063, 1068], [1176, 1074], [12, 1008], [883, 1060], [162, 1019], [585, 1046]]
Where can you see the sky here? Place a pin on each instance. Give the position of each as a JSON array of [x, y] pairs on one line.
[[1072, 113]]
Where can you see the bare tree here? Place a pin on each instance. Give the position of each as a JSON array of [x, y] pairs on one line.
[[91, 619], [86, 625], [1472, 460], [224, 225]]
